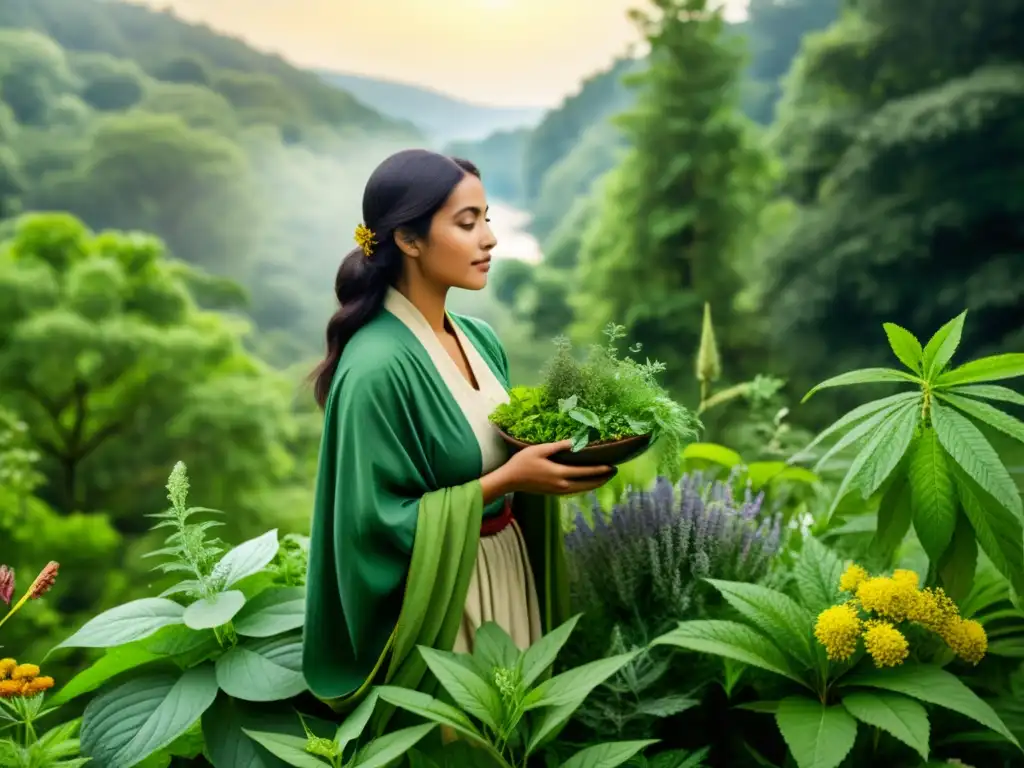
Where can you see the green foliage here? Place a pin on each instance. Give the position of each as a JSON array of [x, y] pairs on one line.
[[822, 701], [932, 439], [679, 208], [168, 666], [56, 747], [604, 398]]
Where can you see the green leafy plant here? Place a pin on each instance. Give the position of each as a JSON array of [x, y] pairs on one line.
[[197, 668], [823, 699], [57, 747], [603, 398], [924, 452], [312, 751], [507, 704]]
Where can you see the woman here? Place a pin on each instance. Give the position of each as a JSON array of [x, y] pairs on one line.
[[414, 537]]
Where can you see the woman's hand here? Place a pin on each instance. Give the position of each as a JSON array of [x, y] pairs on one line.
[[531, 470]]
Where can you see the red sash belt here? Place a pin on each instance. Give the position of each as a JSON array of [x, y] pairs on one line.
[[491, 526]]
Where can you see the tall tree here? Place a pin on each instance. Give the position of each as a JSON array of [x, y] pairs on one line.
[[902, 134], [679, 207]]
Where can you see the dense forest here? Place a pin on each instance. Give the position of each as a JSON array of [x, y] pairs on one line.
[[173, 204]]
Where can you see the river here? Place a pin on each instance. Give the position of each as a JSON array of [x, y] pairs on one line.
[[514, 242]]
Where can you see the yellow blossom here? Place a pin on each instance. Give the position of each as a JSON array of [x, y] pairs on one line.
[[885, 644], [967, 639], [906, 578], [6, 667], [852, 578], [11, 688], [38, 685], [837, 629], [25, 672], [887, 596], [934, 610]]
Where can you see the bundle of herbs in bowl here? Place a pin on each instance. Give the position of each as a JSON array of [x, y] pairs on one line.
[[611, 407]]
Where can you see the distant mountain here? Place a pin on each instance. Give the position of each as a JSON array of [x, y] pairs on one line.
[[442, 118]]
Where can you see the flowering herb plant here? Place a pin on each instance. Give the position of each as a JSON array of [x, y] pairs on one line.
[[830, 685], [601, 399]]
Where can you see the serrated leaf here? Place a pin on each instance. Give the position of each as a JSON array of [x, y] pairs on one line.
[[958, 563], [905, 346], [429, 708], [731, 640], [900, 717], [471, 693], [210, 612], [859, 432], [574, 685], [777, 615], [894, 515], [817, 572], [864, 376], [975, 455], [999, 533], [817, 736], [900, 431], [940, 348], [994, 368], [852, 417], [933, 500], [994, 417], [608, 755], [933, 685], [990, 392]]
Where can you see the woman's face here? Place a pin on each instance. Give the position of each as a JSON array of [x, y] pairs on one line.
[[457, 252]]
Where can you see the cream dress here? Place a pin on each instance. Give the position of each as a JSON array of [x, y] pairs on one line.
[[502, 588]]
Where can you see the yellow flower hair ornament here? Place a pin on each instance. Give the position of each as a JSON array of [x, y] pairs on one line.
[[365, 239]]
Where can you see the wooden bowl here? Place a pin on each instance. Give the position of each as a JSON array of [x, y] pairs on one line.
[[611, 453]]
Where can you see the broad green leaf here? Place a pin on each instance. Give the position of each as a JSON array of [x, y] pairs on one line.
[[994, 417], [384, 750], [112, 663], [665, 706], [550, 723], [890, 451], [894, 514], [494, 648], [999, 533], [817, 572], [210, 612], [897, 715], [608, 755], [354, 725], [731, 640], [858, 413], [574, 685], [762, 473], [969, 448], [247, 558], [932, 685], [864, 376], [905, 346], [859, 432], [471, 693], [177, 640], [124, 725], [290, 749], [429, 708], [226, 743], [272, 611], [716, 454], [777, 615], [539, 657], [817, 736], [940, 348], [268, 669], [764, 707], [957, 565], [990, 392], [126, 623], [994, 368], [932, 497]]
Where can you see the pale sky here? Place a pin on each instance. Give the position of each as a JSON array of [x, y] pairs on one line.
[[494, 52]]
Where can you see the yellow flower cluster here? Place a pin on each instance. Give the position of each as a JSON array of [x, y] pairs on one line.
[[21, 680], [890, 600]]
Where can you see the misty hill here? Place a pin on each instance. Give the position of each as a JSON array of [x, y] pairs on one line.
[[441, 117]]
